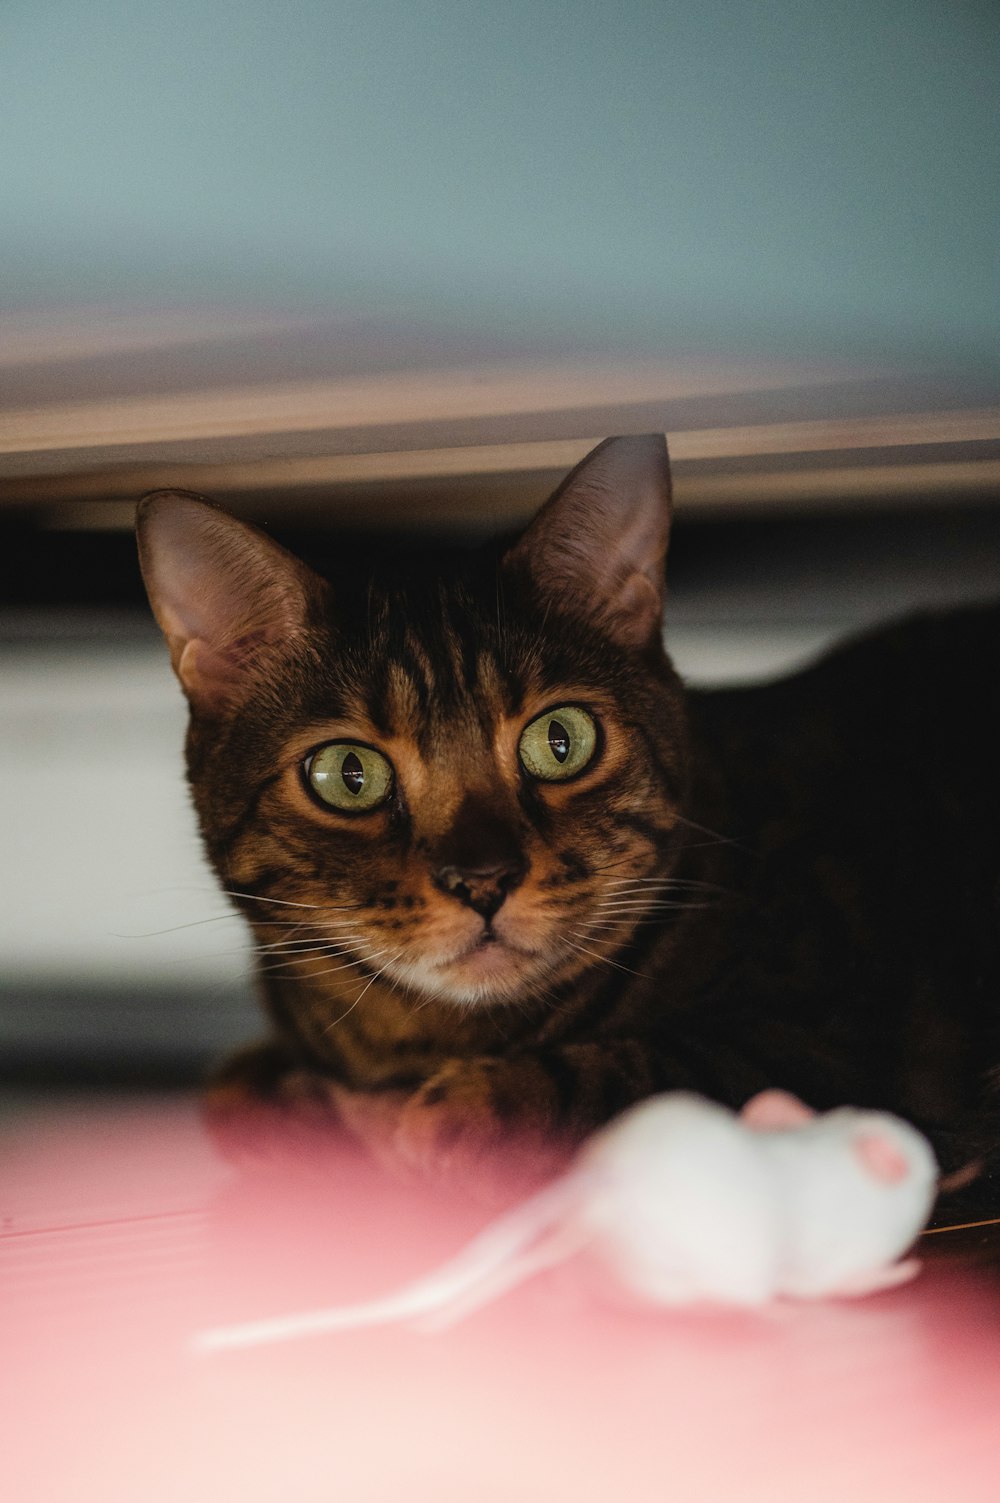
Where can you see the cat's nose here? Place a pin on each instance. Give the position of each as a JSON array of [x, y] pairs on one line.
[[481, 888]]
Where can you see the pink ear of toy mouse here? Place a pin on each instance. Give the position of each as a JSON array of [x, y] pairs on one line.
[[775, 1109], [881, 1158]]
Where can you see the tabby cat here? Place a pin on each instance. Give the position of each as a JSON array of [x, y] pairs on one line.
[[507, 876]]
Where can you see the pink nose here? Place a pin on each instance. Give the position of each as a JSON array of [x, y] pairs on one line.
[[883, 1160]]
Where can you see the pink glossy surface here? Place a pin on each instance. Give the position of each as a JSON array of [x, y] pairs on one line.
[[123, 1236]]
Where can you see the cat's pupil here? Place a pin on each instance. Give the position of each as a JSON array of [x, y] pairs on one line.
[[558, 740], [352, 772]]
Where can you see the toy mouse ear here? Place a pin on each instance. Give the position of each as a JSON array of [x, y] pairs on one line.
[[775, 1109], [881, 1158]]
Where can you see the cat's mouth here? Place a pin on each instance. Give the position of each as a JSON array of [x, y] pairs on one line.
[[488, 962], [489, 951]]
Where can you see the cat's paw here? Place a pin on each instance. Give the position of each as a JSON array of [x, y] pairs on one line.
[[449, 1125], [261, 1110], [457, 1130]]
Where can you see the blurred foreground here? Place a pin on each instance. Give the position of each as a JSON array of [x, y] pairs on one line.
[[123, 1236]]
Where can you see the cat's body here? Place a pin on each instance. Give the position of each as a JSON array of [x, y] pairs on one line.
[[864, 946], [793, 886]]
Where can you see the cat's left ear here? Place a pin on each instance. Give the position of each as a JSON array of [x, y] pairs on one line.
[[598, 547]]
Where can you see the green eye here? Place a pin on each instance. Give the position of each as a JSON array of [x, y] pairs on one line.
[[349, 776], [559, 744]]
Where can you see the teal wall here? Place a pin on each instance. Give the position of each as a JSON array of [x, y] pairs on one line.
[[821, 176]]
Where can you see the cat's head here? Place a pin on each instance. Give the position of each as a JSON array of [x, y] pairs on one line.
[[465, 778]]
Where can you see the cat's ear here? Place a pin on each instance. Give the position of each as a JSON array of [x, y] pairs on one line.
[[598, 546], [224, 594]]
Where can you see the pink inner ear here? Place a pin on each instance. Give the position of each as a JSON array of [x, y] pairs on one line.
[[883, 1160], [212, 675], [771, 1109]]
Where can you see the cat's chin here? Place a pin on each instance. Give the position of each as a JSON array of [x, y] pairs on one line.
[[490, 970]]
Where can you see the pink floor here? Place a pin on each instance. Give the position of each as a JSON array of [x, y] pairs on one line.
[[122, 1237]]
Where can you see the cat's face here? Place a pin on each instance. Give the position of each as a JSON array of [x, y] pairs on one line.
[[462, 781]]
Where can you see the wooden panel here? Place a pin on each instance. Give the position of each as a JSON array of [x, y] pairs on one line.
[[420, 424]]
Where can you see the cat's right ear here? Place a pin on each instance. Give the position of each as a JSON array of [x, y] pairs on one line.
[[224, 594], [598, 545]]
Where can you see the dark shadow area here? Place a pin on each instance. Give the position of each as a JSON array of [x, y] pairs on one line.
[[42, 568]]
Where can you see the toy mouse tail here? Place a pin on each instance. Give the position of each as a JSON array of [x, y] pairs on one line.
[[531, 1237]]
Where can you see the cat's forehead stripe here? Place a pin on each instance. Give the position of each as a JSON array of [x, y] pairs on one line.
[[429, 653], [440, 663]]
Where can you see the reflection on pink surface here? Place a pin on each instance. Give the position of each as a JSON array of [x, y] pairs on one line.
[[123, 1237]]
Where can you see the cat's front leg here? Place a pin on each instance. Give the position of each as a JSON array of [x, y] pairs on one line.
[[485, 1125], [492, 1124], [260, 1106]]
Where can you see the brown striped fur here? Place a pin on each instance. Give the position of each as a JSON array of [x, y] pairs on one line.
[[631, 947]]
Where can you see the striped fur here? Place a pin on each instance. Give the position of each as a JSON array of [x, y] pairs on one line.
[[635, 948]]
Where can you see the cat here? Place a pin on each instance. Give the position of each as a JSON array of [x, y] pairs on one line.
[[508, 876]]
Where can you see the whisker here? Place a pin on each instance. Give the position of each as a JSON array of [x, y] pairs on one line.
[[329, 971], [635, 893], [537, 993], [269, 951], [315, 951], [651, 918], [704, 830], [657, 910], [306, 944], [287, 902], [610, 866], [259, 923], [653, 895], [371, 981], [291, 930], [604, 958], [173, 928], [613, 923], [635, 906], [646, 889]]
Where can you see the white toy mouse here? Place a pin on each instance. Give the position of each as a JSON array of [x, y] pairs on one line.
[[686, 1202]]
